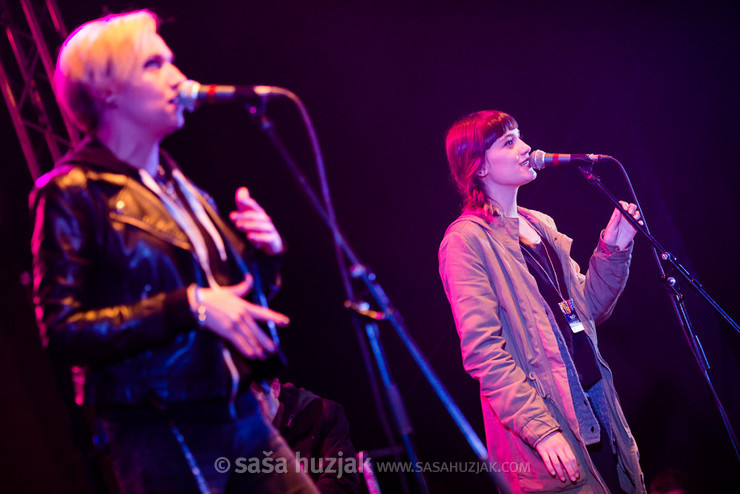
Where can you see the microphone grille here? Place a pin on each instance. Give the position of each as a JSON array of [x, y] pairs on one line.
[[537, 159], [188, 94]]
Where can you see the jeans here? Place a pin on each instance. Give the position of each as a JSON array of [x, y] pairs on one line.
[[230, 454], [603, 453]]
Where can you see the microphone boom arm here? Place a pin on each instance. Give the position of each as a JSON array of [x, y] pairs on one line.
[[360, 271], [677, 298]]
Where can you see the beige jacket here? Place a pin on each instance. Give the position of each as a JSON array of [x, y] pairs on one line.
[[508, 341]]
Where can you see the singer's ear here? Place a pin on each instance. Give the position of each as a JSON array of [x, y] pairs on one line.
[[482, 169]]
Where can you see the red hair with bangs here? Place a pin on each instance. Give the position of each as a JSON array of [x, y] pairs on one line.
[[466, 143]]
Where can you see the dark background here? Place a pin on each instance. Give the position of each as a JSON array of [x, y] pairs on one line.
[[653, 84]]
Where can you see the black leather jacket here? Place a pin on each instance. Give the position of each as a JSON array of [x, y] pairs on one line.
[[111, 270]]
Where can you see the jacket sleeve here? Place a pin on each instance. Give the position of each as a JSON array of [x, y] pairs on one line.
[[606, 276], [475, 308], [608, 269], [68, 230]]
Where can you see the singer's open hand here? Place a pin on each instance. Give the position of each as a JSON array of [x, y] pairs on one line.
[[232, 318], [251, 219], [619, 231], [558, 457]]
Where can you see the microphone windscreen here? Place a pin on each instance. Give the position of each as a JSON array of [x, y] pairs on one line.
[[537, 159]]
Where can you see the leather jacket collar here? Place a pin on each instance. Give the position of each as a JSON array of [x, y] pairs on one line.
[[92, 154]]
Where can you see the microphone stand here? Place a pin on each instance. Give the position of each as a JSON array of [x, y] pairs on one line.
[[387, 312], [677, 297]]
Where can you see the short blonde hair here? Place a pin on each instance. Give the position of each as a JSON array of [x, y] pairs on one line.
[[95, 60]]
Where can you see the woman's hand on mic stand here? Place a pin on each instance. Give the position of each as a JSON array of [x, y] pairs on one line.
[[619, 231]]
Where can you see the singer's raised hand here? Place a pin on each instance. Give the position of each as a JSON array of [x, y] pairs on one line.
[[619, 231], [232, 318], [251, 219]]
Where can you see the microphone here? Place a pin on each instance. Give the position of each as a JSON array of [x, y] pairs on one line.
[[192, 94], [539, 159]]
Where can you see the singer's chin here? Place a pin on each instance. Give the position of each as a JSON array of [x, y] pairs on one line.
[[178, 121]]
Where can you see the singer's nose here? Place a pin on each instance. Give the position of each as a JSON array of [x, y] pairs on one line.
[[176, 76]]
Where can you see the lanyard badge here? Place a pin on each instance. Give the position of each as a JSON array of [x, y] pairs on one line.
[[569, 311]]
